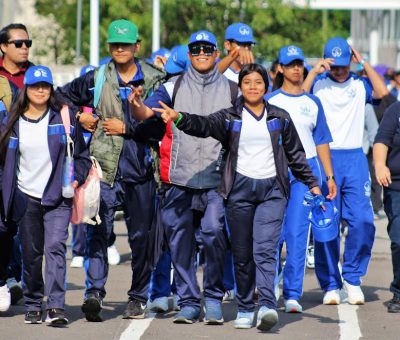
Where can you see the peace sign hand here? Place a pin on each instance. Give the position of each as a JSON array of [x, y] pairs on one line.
[[166, 112], [135, 96]]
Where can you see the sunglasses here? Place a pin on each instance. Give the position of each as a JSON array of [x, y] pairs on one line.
[[208, 50], [18, 43]]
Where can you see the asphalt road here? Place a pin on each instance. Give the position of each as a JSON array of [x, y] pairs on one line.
[[346, 322]]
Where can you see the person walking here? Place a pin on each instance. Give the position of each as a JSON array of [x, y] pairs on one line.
[[33, 153]]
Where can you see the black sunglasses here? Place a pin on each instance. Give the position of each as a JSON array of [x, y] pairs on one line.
[[208, 50], [18, 43]]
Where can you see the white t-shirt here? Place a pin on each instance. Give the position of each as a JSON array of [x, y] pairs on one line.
[[232, 75], [344, 106], [255, 154], [34, 166], [308, 117]]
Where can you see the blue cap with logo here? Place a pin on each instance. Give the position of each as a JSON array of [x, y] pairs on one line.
[[37, 74], [178, 61], [85, 69], [163, 52], [203, 36], [240, 32], [290, 53], [339, 50]]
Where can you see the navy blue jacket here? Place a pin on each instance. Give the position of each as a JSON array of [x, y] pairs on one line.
[[52, 195], [135, 163], [225, 126]]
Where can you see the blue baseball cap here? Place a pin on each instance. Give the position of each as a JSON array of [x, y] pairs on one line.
[[290, 53], [339, 50], [325, 223], [240, 32], [85, 69], [178, 61], [203, 36], [163, 52], [37, 74]]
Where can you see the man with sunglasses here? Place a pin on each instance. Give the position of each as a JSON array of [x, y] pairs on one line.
[[128, 178], [14, 45], [188, 169]]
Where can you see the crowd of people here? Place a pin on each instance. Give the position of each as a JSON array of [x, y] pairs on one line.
[[210, 159]]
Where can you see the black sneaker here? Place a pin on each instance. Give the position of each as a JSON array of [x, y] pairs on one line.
[[92, 307], [33, 317], [394, 305], [15, 291], [56, 317], [134, 310]]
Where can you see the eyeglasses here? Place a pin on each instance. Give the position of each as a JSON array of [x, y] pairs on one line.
[[18, 43], [208, 50]]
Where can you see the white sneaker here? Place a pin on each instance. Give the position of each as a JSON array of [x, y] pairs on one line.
[[310, 263], [293, 306], [355, 296], [229, 295], [113, 255], [5, 298], [331, 297], [77, 262]]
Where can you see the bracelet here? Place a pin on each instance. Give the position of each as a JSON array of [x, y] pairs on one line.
[[180, 117], [330, 177]]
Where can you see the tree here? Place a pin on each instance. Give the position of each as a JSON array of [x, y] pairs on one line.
[[275, 23]]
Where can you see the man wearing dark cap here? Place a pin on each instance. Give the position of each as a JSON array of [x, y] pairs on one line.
[[126, 164]]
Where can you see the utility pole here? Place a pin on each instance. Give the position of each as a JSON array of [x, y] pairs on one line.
[[94, 32], [156, 26]]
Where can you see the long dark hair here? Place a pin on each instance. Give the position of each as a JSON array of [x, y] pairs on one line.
[[17, 109], [250, 68]]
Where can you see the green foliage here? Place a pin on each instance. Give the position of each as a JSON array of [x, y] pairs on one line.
[[274, 23]]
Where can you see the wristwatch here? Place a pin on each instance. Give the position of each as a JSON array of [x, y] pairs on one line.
[[330, 177]]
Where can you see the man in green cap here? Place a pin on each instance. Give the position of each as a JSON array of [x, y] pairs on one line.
[[128, 179]]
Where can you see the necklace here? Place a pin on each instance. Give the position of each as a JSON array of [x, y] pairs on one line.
[[37, 120]]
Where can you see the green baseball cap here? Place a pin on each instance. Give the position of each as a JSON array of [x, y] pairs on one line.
[[123, 31]]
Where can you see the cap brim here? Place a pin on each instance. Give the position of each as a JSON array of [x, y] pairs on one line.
[[172, 68], [203, 41], [121, 41], [288, 61], [341, 61]]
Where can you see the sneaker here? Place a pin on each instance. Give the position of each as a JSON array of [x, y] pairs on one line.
[[77, 262], [33, 317], [5, 298], [16, 291], [355, 296], [244, 320], [394, 305], [229, 295], [92, 307], [310, 263], [213, 313], [175, 303], [159, 305], [187, 314], [113, 255], [293, 306], [56, 317], [331, 297], [266, 318], [134, 310]]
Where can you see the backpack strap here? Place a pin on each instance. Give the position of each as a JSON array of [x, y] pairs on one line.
[[234, 91], [176, 88], [99, 82]]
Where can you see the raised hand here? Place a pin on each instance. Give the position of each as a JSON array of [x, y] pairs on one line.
[[166, 112], [322, 65], [135, 98]]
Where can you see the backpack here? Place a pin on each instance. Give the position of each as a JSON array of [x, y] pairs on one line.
[[86, 203], [5, 92]]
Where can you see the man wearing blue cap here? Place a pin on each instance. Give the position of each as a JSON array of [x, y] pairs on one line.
[[128, 178], [343, 96], [238, 37], [189, 172], [159, 57]]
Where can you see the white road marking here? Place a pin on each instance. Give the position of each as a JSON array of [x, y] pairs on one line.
[[136, 328], [348, 319]]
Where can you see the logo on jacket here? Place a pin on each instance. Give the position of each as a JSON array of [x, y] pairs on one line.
[[305, 111], [351, 92], [367, 188], [336, 52]]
